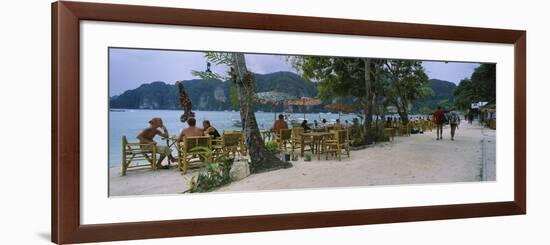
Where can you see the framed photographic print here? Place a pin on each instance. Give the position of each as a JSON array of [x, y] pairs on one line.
[[177, 122]]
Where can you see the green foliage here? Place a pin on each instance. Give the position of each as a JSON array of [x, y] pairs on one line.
[[213, 94], [356, 129], [219, 58], [358, 141], [272, 147], [214, 175], [440, 91], [481, 86], [234, 96], [307, 156], [407, 80], [336, 76]]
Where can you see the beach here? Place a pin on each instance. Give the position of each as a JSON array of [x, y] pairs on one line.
[[415, 159]]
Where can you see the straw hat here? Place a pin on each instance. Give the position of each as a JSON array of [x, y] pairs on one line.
[[156, 120]]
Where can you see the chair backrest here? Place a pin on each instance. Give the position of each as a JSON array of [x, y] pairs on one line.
[[296, 132], [285, 134], [231, 131], [232, 138], [342, 135], [197, 141], [319, 130]]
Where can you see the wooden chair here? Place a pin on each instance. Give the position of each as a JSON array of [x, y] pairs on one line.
[[390, 132], [233, 143], [137, 153], [296, 141], [217, 147], [408, 128], [187, 151], [284, 137], [338, 142], [318, 130]]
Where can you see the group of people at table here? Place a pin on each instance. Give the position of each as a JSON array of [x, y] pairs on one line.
[[156, 127]]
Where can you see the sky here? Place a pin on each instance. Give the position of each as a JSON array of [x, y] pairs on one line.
[[129, 68]]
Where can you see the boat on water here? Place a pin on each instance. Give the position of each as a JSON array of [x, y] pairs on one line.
[[236, 122], [117, 110]]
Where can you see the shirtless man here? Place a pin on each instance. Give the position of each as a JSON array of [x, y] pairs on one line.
[[192, 130], [147, 135], [279, 124]]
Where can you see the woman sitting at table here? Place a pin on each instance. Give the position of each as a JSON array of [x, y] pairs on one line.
[[209, 130]]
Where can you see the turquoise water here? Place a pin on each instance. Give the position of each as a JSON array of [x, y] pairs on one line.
[[131, 122]]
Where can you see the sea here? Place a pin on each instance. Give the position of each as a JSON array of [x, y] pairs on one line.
[[129, 122]]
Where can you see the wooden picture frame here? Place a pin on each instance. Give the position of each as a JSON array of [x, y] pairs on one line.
[[65, 169]]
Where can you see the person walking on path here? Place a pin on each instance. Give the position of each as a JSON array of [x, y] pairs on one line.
[[439, 117], [454, 120]]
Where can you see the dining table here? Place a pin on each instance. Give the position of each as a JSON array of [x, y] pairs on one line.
[[317, 140]]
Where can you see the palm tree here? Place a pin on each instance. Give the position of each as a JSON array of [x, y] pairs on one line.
[[261, 159]]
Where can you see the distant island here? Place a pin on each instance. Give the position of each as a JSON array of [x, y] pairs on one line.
[[214, 95]]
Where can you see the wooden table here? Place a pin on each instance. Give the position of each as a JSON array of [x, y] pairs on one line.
[[317, 139]]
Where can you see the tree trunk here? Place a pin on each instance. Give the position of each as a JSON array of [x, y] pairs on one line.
[[368, 110], [261, 159], [402, 111], [382, 125]]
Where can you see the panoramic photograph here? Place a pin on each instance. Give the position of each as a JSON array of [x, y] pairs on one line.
[[184, 122]]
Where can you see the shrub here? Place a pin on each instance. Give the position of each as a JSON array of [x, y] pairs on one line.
[[357, 141], [272, 147], [214, 175], [307, 157]]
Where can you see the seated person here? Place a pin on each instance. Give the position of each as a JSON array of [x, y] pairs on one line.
[[337, 125], [192, 130], [147, 135], [208, 129], [305, 126], [324, 123], [279, 124]]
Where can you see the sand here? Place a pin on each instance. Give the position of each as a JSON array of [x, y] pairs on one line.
[[415, 159]]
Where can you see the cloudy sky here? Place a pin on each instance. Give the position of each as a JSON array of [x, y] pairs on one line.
[[129, 68]]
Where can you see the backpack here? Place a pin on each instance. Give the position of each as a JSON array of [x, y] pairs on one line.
[[444, 119]]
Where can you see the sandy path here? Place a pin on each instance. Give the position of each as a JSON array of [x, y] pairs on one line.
[[408, 160], [415, 159]]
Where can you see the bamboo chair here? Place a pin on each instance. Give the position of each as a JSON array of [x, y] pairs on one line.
[[318, 130], [284, 137], [135, 152], [390, 132], [423, 125], [187, 151], [233, 143], [217, 146], [338, 142], [296, 141]]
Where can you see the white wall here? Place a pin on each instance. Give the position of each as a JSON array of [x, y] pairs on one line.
[[25, 100]]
